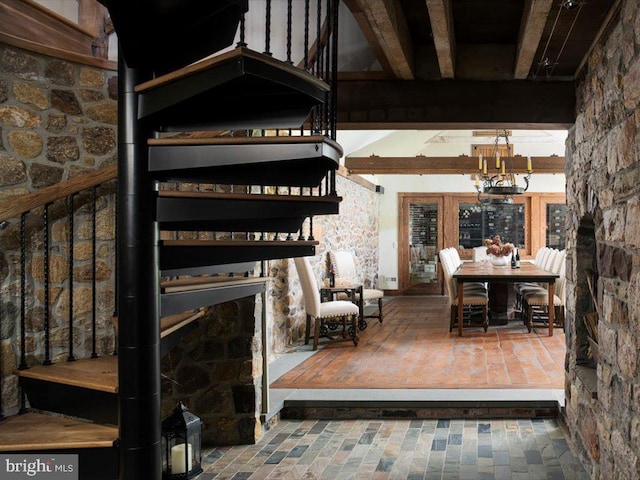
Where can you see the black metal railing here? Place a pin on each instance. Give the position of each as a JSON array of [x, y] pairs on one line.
[[319, 55], [32, 246]]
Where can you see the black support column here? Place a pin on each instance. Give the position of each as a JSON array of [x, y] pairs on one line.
[[138, 292]]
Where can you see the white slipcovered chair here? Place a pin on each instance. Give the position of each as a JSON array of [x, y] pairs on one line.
[[344, 268], [322, 312]]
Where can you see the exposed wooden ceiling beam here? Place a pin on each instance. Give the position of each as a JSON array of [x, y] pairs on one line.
[[370, 35], [443, 35], [386, 30], [534, 19], [422, 165], [447, 104]]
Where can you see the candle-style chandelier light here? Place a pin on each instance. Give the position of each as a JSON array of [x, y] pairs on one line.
[[496, 181]]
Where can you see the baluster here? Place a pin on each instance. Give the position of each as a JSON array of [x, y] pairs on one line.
[[306, 34], [23, 270], [2, 225], [70, 357], [301, 235], [289, 26], [23, 273], [241, 43], [334, 77], [332, 180], [310, 236], [327, 59], [47, 346], [317, 61], [267, 29], [115, 270], [94, 354]]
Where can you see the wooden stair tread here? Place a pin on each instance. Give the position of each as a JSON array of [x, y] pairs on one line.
[[195, 283], [172, 323], [93, 373], [230, 56], [277, 140], [34, 432], [258, 197], [238, 243]]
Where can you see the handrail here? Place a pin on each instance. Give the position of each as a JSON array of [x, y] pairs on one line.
[[18, 205]]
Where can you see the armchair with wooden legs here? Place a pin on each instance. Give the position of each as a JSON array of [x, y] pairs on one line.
[[322, 313]]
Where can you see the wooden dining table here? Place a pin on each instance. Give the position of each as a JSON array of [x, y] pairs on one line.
[[486, 272]]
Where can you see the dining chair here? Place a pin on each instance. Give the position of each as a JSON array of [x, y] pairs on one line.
[[323, 312], [474, 296], [344, 268], [535, 301], [452, 257]]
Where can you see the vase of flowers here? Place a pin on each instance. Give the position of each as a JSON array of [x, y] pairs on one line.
[[498, 253]]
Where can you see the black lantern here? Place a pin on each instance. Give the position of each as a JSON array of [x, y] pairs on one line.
[[181, 435]]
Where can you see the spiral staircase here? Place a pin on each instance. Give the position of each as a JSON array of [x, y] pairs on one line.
[[273, 186]]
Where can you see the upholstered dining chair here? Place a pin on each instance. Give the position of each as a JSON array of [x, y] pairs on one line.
[[535, 300], [322, 312], [344, 268], [474, 296]]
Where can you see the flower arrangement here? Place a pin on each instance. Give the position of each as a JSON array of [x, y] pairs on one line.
[[496, 248]]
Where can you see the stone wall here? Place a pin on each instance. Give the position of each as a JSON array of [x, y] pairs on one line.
[[603, 197], [354, 229], [217, 372], [57, 121]]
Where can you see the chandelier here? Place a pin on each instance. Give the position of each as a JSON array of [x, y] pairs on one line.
[[496, 179]]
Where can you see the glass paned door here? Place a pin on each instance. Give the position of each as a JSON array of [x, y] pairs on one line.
[[421, 238], [423, 243]]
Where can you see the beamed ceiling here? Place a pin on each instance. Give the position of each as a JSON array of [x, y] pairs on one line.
[[470, 63]]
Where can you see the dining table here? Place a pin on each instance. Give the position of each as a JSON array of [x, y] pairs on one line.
[[486, 272]]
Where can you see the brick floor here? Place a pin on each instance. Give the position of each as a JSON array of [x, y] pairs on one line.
[[414, 349], [498, 449]]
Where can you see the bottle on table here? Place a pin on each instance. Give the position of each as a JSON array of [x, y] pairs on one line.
[[517, 258], [513, 259]]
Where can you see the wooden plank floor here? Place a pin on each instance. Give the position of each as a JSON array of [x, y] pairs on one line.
[[414, 349]]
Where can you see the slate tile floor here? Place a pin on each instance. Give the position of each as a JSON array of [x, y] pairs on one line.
[[520, 449]]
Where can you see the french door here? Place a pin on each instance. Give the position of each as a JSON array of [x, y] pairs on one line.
[[420, 240]]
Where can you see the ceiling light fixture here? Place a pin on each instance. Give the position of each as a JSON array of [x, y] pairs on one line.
[[501, 185]]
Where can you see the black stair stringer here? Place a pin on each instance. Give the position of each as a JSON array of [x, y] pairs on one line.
[[295, 161], [95, 405], [232, 268], [245, 214], [239, 90], [176, 302], [176, 257]]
